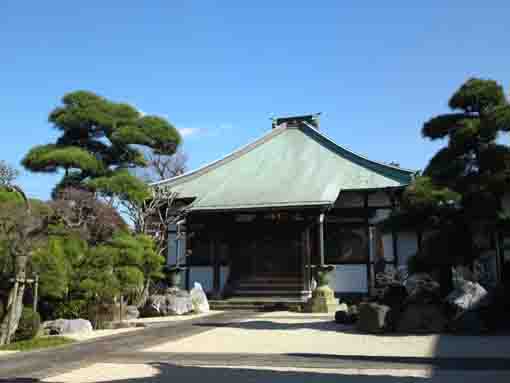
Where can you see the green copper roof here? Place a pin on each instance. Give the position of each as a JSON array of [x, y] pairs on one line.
[[289, 166]]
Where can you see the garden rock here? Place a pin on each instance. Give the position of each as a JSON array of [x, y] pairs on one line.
[[372, 317], [344, 317], [66, 326], [343, 307], [199, 299], [132, 312], [173, 303], [421, 318], [394, 295], [422, 288], [468, 296], [179, 303], [353, 312]]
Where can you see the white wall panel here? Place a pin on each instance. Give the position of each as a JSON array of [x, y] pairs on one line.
[[349, 279]]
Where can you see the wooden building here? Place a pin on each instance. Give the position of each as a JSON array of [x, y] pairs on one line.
[[258, 219]]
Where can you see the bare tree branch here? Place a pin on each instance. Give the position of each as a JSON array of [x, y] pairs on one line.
[[161, 167], [7, 173]]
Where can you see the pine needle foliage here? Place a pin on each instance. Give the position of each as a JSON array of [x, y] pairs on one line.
[[100, 138]]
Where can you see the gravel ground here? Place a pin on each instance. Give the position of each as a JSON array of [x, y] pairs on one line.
[[295, 333]]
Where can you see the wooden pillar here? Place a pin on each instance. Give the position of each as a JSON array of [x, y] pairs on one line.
[[216, 267], [419, 239], [321, 239], [308, 258], [394, 235], [367, 236], [305, 257]]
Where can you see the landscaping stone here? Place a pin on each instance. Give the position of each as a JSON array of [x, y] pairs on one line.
[[422, 288], [344, 317], [468, 296], [199, 299], [372, 317], [354, 312], [175, 302], [343, 307], [394, 295], [132, 312], [66, 326], [421, 318]]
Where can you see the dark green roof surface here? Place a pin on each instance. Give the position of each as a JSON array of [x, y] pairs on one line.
[[289, 166]]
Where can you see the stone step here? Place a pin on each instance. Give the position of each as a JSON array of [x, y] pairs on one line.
[[276, 286], [256, 303], [270, 293]]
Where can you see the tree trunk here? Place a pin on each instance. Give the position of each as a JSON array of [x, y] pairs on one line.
[[13, 312], [145, 295]]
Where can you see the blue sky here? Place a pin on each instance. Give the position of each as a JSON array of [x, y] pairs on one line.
[[219, 70]]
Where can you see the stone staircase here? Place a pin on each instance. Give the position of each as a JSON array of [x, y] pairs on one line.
[[264, 292]]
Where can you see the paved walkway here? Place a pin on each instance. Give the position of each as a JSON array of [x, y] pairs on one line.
[[273, 347]]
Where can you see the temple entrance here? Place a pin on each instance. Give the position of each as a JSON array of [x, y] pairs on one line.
[[268, 259]]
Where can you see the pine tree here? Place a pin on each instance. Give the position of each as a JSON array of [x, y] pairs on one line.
[[474, 163], [460, 192], [99, 141]]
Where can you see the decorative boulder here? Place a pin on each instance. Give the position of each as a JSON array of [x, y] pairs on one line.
[[394, 295], [372, 318], [149, 310], [354, 312], [468, 296], [422, 288], [343, 317], [179, 303], [175, 302], [66, 326], [199, 299], [132, 312], [421, 318]]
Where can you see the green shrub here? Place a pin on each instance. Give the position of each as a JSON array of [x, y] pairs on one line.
[[74, 309], [28, 325]]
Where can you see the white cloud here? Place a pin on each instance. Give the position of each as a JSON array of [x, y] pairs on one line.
[[186, 132]]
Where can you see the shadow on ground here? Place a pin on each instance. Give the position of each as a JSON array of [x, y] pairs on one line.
[[272, 325], [165, 372], [170, 373]]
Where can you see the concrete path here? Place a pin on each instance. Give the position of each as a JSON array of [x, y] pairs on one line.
[[272, 347]]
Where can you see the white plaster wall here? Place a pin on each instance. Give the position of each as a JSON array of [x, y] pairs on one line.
[[349, 279]]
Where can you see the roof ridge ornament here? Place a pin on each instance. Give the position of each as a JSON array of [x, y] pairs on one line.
[[311, 120]]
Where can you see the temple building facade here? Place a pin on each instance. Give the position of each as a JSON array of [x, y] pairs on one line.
[[258, 220]]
